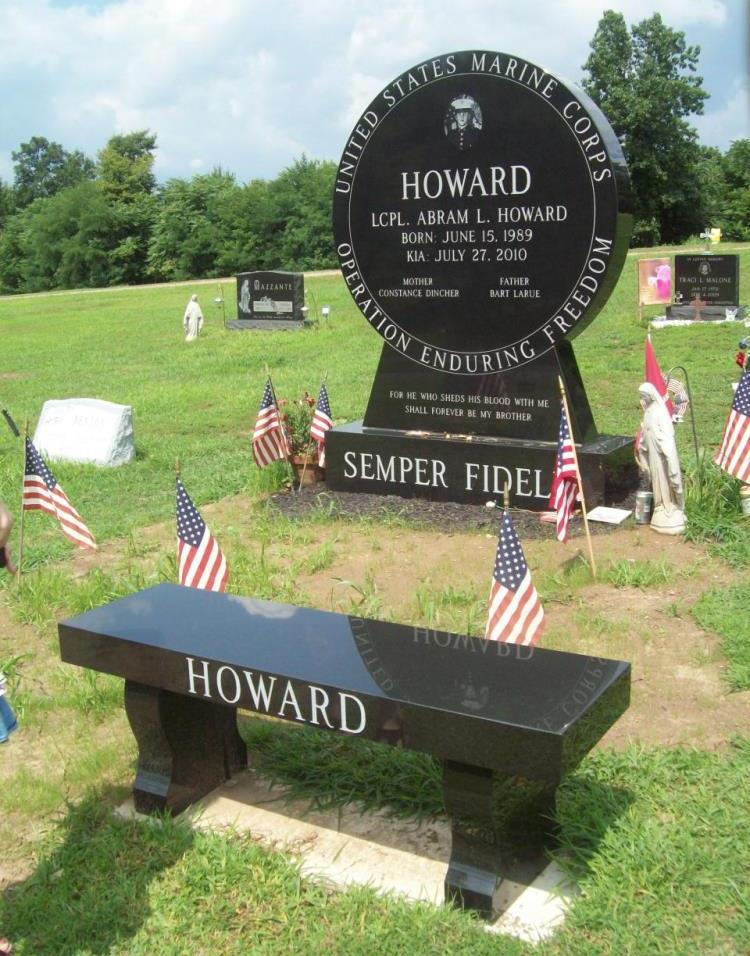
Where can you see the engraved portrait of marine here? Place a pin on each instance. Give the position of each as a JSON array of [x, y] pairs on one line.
[[463, 121]]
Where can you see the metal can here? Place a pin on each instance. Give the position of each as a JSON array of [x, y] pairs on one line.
[[644, 505]]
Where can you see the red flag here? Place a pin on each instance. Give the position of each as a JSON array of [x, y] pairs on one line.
[[41, 492], [654, 375], [515, 614], [564, 491], [200, 561]]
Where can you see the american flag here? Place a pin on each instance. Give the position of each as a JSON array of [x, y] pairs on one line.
[[41, 492], [269, 438], [515, 615], [200, 561], [564, 491], [734, 454], [320, 424]]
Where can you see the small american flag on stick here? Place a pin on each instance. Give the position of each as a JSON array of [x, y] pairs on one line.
[[515, 615], [564, 491], [41, 492], [269, 438], [200, 561], [733, 455], [321, 422]]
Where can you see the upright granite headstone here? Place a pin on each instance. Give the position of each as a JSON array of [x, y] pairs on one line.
[[269, 300], [86, 430], [707, 287], [481, 219]]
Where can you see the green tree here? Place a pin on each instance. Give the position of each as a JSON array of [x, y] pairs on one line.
[[248, 225], [189, 233], [7, 203], [712, 184], [126, 179], [13, 253], [645, 82], [126, 166], [42, 168], [301, 199], [66, 240], [735, 218]]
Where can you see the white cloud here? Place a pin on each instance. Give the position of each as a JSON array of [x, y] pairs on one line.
[[730, 121], [250, 85]]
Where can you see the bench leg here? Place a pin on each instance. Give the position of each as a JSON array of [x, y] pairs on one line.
[[186, 747], [500, 828]]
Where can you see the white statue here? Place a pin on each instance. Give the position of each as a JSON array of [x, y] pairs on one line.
[[192, 321], [245, 296], [657, 459]]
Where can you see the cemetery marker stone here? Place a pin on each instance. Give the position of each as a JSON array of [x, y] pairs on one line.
[[269, 300], [481, 221], [86, 430], [706, 287]]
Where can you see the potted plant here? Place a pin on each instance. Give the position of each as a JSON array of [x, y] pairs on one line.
[[296, 417]]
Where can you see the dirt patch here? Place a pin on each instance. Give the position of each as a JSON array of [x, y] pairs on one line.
[[435, 515], [679, 696], [678, 692], [383, 568]]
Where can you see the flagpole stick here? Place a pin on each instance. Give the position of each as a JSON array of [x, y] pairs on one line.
[[580, 479], [177, 467], [20, 525], [506, 496]]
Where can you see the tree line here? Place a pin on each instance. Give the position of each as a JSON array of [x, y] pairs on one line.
[[70, 221]]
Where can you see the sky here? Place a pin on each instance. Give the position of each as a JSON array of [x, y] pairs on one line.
[[251, 85]]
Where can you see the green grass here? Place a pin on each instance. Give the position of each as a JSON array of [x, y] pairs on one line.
[[712, 504], [631, 573], [332, 771], [726, 611], [198, 403], [654, 837]]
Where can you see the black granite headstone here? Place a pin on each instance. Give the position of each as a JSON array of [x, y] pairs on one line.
[[481, 221], [707, 287], [269, 300], [711, 279]]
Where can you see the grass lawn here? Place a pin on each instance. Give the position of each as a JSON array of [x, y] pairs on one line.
[[655, 830]]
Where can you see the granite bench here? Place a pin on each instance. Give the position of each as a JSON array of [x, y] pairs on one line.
[[507, 723]]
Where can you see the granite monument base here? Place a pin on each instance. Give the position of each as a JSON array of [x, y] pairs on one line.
[[471, 469], [707, 313], [267, 325]]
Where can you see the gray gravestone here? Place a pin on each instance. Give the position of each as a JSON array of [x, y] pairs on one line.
[[86, 430]]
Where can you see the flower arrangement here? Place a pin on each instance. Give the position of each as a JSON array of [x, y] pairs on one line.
[[296, 417]]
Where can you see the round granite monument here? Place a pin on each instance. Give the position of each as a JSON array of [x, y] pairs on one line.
[[481, 220]]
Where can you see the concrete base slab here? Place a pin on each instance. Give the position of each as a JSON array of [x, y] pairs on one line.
[[346, 846]]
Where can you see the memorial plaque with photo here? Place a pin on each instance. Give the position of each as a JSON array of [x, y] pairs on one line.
[[269, 300], [481, 221]]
